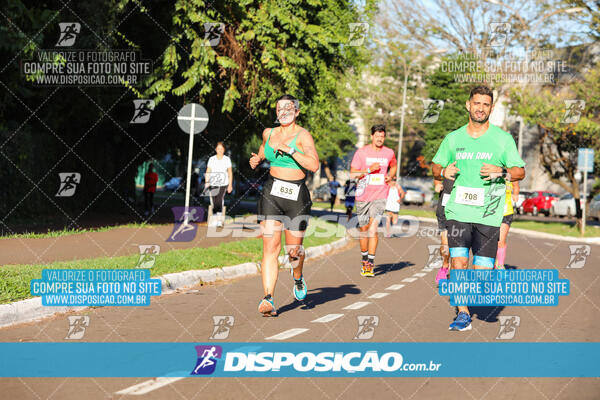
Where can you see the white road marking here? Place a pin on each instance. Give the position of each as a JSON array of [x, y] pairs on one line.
[[395, 287], [549, 244], [148, 386], [427, 269], [378, 295], [287, 334], [357, 305], [409, 280], [419, 274], [328, 318]]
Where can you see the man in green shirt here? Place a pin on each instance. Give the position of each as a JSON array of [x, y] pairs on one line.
[[480, 157]]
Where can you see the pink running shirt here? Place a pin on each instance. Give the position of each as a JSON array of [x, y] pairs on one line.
[[373, 183]]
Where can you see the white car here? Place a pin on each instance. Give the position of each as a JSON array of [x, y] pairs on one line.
[[414, 195], [564, 206]]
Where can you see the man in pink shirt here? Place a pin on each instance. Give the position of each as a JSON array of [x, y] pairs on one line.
[[374, 165]]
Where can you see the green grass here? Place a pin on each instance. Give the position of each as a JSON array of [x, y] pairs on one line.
[[557, 228], [326, 205], [15, 279], [418, 213]]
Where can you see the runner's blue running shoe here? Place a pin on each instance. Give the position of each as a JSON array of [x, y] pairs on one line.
[[461, 323], [267, 307], [300, 289]]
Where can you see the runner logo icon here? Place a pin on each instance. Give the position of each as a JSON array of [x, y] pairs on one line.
[[508, 326], [207, 359], [213, 32], [223, 325], [68, 33], [358, 32], [77, 325], [579, 254], [366, 326], [185, 232], [573, 111], [431, 110], [498, 33], [142, 110], [148, 253], [68, 183], [435, 258]]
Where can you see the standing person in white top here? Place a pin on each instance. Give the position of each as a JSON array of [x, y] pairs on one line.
[[218, 178], [392, 206]]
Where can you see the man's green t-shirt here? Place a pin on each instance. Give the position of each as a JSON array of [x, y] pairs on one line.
[[474, 199]]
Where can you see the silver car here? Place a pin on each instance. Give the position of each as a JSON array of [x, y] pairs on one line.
[[414, 195]]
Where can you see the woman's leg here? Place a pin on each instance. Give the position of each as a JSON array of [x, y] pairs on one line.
[[501, 253], [293, 246], [271, 234]]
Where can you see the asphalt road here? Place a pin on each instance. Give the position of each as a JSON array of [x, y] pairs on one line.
[[402, 295]]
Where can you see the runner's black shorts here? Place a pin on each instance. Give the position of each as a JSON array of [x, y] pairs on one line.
[[440, 213], [507, 219], [481, 239], [294, 214]]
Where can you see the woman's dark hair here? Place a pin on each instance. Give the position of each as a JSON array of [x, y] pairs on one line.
[[292, 99], [377, 128], [483, 90]]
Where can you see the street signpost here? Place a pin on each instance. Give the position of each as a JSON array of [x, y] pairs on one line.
[[192, 119], [585, 164]]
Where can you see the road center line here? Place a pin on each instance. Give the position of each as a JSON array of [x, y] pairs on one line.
[[419, 274], [150, 385], [287, 334], [357, 305], [378, 295], [328, 318], [394, 287], [409, 280]]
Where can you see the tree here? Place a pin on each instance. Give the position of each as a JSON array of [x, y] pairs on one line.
[[564, 125]]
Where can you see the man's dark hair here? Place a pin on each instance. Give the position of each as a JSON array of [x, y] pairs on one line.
[[150, 167], [483, 90], [291, 98], [377, 128]]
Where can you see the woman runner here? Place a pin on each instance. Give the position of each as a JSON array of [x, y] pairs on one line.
[[285, 200]]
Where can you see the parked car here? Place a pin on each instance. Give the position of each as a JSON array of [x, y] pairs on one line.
[[564, 206], [538, 202], [520, 199], [594, 208], [414, 195], [174, 183]]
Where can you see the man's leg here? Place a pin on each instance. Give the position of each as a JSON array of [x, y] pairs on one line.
[[460, 241], [362, 209]]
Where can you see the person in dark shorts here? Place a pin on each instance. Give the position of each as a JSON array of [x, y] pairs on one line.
[[284, 203], [350, 193], [444, 188], [481, 158]]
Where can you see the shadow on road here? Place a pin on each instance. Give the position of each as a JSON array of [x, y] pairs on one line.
[[385, 268], [320, 296]]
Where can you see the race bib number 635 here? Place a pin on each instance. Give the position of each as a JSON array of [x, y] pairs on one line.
[[285, 190]]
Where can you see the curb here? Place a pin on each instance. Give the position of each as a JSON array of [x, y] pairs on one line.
[[540, 235], [32, 309]]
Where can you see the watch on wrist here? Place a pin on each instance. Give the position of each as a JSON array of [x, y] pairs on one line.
[[292, 151]]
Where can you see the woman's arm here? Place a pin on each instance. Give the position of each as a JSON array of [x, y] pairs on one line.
[[310, 159]]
